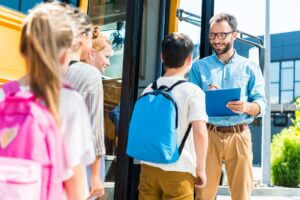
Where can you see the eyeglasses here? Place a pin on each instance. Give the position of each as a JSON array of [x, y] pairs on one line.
[[221, 35]]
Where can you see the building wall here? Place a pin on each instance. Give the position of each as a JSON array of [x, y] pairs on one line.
[[256, 132], [284, 46], [284, 78]]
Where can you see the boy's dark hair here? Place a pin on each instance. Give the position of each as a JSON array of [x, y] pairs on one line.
[[176, 47]]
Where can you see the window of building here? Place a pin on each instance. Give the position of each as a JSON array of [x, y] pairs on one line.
[[297, 89], [280, 119], [287, 96], [297, 70], [274, 72], [287, 64], [284, 81], [287, 79], [274, 93]]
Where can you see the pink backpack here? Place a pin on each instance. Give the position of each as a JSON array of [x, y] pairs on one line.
[[28, 131], [20, 179]]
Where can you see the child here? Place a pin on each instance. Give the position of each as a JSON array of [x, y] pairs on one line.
[[101, 51], [46, 39], [98, 57], [87, 80], [177, 180]]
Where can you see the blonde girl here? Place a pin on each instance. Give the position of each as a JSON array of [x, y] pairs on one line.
[[46, 39], [87, 80], [101, 51]]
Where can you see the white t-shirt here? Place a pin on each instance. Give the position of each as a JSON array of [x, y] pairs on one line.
[[75, 129], [190, 100]]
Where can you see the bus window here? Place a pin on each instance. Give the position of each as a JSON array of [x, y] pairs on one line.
[[190, 9]]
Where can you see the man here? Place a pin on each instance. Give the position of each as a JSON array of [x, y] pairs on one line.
[[229, 136]]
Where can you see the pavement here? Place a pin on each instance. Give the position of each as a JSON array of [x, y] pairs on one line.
[[261, 192], [222, 197]]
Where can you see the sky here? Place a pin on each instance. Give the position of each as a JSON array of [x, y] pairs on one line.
[[250, 14]]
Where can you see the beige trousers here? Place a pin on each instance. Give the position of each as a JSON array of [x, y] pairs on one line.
[[235, 149]]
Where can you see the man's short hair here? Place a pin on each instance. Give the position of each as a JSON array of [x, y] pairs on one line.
[[230, 19], [176, 47]]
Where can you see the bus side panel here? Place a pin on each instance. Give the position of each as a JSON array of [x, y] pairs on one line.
[[173, 20], [12, 64]]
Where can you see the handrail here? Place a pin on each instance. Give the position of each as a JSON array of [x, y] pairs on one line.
[[190, 18], [250, 36], [250, 43]]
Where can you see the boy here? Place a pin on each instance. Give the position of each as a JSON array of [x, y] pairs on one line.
[[177, 180]]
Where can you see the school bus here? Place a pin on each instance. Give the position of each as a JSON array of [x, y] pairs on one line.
[[136, 29]]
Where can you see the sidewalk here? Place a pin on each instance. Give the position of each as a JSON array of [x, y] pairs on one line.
[[257, 174], [222, 197], [261, 192]]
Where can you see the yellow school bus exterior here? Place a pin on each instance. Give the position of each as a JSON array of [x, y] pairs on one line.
[[12, 65]]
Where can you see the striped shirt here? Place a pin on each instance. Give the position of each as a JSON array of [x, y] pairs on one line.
[[87, 80]]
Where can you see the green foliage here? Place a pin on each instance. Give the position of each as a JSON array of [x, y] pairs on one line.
[[285, 157]]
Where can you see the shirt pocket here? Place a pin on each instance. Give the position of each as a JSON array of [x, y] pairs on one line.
[[242, 82]]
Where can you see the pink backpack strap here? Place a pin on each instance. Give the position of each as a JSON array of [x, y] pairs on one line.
[[11, 87]]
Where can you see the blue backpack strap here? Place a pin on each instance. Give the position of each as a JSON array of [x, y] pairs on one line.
[[190, 125], [184, 138], [154, 85], [163, 87], [175, 84]]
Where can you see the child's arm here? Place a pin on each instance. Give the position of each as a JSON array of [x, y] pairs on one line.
[[76, 187], [201, 143]]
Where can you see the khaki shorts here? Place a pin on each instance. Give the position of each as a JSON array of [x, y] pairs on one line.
[[157, 184]]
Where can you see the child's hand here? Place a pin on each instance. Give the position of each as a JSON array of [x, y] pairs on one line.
[[201, 179], [97, 187]]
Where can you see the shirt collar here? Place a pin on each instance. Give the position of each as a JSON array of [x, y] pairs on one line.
[[233, 58]]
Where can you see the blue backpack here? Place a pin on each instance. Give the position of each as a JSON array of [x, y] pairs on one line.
[[152, 133]]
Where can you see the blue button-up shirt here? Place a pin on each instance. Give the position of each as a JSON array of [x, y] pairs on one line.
[[239, 72]]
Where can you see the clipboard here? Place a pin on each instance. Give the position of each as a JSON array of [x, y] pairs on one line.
[[216, 101]]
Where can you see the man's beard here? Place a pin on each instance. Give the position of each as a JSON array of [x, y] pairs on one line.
[[222, 51]]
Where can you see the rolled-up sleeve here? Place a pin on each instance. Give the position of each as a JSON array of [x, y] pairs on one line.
[[257, 88]]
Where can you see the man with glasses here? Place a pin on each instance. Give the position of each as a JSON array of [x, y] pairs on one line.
[[229, 136]]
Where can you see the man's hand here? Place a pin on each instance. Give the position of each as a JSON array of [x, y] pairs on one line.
[[239, 107], [201, 178], [97, 187]]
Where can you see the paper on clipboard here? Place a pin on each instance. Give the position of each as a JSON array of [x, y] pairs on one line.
[[216, 101]]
